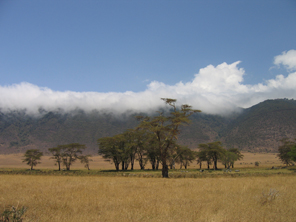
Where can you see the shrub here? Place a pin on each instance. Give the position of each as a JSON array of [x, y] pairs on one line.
[[256, 163], [13, 214]]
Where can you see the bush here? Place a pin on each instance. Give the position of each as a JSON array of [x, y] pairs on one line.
[[256, 163], [13, 214]]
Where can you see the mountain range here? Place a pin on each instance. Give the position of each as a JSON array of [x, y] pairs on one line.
[[255, 129]]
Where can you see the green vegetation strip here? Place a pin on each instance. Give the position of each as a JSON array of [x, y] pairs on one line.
[[191, 173]]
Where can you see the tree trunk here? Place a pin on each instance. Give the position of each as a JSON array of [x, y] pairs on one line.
[[157, 165], [215, 165], [165, 168], [59, 166], [165, 171], [132, 165], [117, 166]]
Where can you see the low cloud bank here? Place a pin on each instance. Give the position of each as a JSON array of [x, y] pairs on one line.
[[214, 90]]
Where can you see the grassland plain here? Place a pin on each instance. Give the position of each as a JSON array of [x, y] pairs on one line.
[[253, 194], [90, 198]]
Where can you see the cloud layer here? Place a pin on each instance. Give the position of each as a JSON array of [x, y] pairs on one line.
[[214, 90]]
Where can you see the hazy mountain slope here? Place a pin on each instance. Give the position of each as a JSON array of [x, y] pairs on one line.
[[262, 126], [257, 128]]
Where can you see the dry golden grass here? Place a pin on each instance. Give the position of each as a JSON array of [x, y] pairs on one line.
[[65, 198], [15, 161]]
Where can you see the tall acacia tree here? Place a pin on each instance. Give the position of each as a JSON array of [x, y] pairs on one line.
[[167, 128], [32, 157]]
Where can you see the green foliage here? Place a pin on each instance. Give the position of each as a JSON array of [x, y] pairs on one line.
[[154, 140], [228, 159], [212, 152], [70, 153], [67, 154], [85, 160], [256, 163], [239, 155], [13, 214], [32, 157], [165, 129], [285, 151], [57, 155], [292, 153], [184, 156]]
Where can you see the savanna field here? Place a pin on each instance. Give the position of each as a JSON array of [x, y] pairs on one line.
[[252, 194]]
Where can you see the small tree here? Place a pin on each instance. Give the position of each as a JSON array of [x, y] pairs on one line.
[[185, 156], [70, 153], [85, 160], [284, 150], [32, 157], [57, 155], [236, 151], [256, 163], [201, 157], [228, 159], [214, 151], [111, 149]]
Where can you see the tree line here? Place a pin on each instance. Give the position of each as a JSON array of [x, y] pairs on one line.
[[64, 155], [154, 140]]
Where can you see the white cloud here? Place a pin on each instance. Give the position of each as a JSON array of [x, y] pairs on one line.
[[287, 59], [215, 90]]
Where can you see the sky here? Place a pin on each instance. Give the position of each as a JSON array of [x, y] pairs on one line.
[[127, 54]]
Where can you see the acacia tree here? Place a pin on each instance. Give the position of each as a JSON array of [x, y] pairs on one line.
[[185, 156], [131, 145], [32, 157], [112, 148], [85, 160], [142, 143], [202, 155], [153, 154], [70, 153], [228, 159], [166, 128], [214, 151], [57, 155], [236, 151], [284, 150]]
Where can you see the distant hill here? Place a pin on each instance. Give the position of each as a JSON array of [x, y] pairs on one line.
[[258, 128]]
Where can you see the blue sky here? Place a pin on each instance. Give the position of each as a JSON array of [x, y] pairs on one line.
[[121, 48]]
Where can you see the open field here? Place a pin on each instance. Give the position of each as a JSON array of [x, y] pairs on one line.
[[64, 198], [15, 161], [252, 194]]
